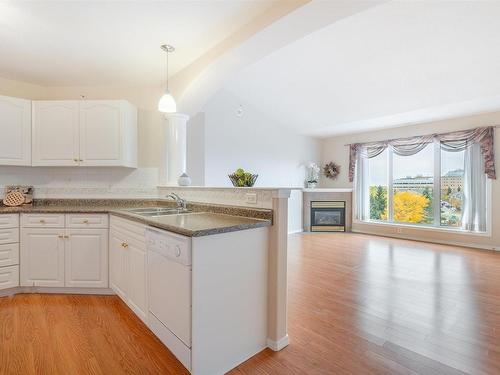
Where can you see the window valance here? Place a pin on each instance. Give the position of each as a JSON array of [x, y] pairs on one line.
[[453, 141]]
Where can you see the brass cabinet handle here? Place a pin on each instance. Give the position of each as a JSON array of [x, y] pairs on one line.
[[42, 221], [124, 245], [80, 160], [66, 237], [60, 236], [75, 160], [85, 221]]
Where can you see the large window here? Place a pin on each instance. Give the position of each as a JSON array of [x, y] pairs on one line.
[[413, 185], [452, 182], [377, 183], [423, 189]]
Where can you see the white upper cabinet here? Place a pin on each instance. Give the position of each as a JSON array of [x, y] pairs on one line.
[[106, 133], [55, 133], [15, 131], [84, 133]]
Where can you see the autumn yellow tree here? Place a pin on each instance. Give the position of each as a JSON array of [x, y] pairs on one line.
[[409, 207]]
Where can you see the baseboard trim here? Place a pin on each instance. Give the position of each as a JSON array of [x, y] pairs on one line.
[[278, 345], [55, 290], [296, 231], [441, 242]]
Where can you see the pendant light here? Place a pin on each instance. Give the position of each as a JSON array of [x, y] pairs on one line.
[[167, 102]]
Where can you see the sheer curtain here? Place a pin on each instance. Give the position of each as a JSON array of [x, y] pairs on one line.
[[474, 206], [361, 186]]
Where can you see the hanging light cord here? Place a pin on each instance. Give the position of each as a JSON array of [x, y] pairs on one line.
[[167, 70]]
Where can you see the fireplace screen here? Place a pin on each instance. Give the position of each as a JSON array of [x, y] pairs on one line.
[[327, 216]]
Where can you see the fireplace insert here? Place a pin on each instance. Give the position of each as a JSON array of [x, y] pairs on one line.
[[327, 216]]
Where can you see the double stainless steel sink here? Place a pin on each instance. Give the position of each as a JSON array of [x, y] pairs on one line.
[[157, 211]]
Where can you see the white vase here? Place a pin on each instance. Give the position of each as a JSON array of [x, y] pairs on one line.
[[184, 180]]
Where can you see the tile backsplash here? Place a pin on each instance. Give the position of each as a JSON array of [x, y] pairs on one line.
[[70, 182]]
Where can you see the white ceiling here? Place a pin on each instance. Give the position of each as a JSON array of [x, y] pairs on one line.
[[393, 64], [57, 43]]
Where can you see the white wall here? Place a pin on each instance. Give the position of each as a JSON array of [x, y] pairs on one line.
[[195, 163], [335, 149], [257, 144]]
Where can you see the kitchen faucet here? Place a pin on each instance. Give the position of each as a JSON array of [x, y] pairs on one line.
[[181, 203]]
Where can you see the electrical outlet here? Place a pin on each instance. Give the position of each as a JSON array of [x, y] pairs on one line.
[[251, 198], [399, 230]]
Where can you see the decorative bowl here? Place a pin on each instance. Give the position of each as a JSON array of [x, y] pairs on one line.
[[247, 180]]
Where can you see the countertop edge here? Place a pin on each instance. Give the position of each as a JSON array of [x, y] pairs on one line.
[[258, 223]]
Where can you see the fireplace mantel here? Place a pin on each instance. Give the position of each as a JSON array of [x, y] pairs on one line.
[[329, 190]]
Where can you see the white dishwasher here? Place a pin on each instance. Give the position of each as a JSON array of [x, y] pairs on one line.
[[169, 268]]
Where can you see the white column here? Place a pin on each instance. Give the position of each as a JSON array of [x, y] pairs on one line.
[[277, 328], [175, 150]]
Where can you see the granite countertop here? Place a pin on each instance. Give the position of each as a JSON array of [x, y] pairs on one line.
[[196, 224], [200, 222]]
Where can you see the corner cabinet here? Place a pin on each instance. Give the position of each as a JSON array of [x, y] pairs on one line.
[[15, 131], [84, 133]]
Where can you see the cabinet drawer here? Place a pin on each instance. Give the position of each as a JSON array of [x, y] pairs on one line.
[[9, 277], [42, 220], [9, 254], [132, 229], [82, 221], [9, 235], [9, 221]]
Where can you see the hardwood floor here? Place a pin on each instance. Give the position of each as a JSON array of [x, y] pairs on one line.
[[358, 304], [362, 304], [70, 334]]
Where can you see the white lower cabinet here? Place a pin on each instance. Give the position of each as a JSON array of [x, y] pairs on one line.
[[9, 251], [42, 257], [128, 264], [9, 254], [9, 277], [117, 265], [137, 272], [62, 257], [86, 258]]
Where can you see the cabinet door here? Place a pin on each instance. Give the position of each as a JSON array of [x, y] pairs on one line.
[[15, 130], [42, 257], [86, 258], [118, 265], [137, 274], [100, 132], [55, 133]]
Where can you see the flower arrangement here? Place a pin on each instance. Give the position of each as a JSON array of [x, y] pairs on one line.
[[331, 170], [312, 175]]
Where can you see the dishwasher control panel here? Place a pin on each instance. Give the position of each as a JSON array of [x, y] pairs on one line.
[[169, 245]]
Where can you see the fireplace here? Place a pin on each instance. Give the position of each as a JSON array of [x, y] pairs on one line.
[[328, 216]]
